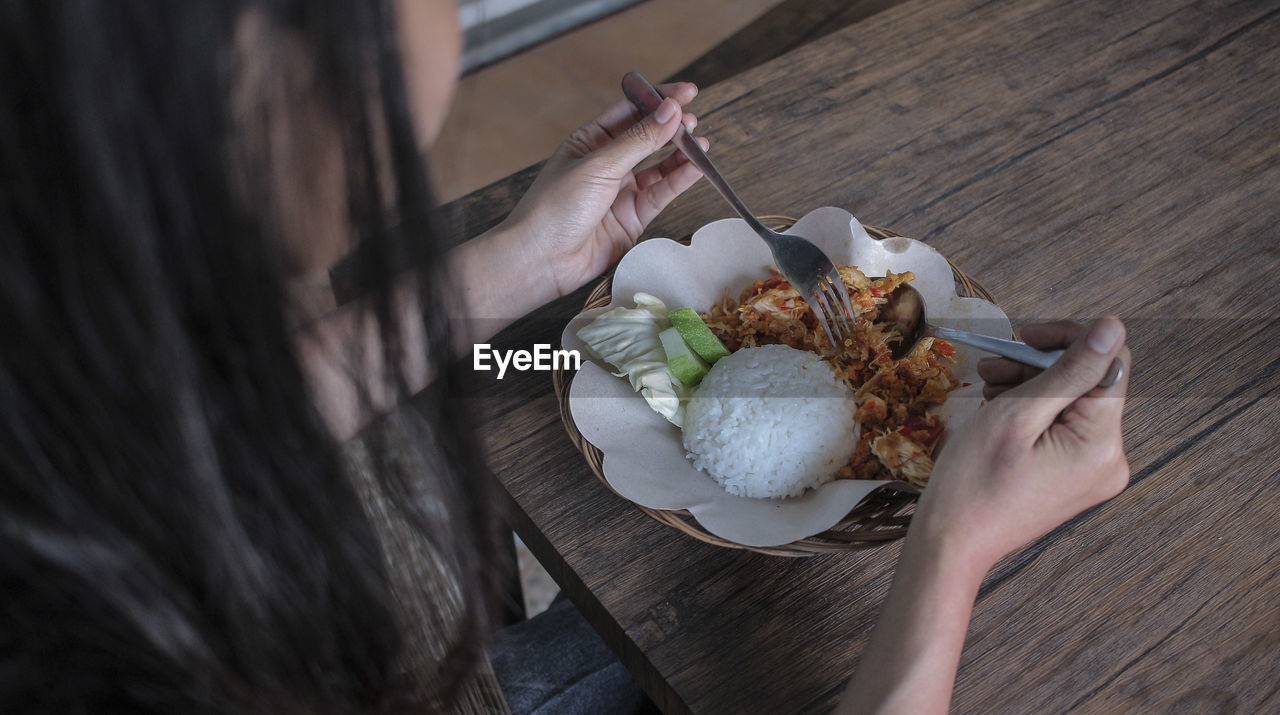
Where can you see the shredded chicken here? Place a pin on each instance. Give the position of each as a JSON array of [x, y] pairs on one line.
[[904, 457], [894, 396]]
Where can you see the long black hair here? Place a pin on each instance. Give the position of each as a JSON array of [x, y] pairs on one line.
[[178, 532]]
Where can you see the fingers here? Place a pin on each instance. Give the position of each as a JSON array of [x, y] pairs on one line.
[[620, 116], [1052, 335], [658, 172], [652, 199], [1001, 374], [682, 92], [1102, 408], [1075, 374], [1003, 370], [641, 139]]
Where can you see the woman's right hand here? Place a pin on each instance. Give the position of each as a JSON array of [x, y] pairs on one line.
[[1046, 447]]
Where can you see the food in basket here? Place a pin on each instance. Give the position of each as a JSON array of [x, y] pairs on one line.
[[688, 367], [770, 421], [629, 339], [892, 399], [698, 336]]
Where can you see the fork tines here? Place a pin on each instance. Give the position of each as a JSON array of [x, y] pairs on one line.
[[833, 309]]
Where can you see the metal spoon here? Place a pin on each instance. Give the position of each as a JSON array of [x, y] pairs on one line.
[[906, 310]]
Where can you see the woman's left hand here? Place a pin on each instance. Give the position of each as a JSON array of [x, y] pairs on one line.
[[588, 205]]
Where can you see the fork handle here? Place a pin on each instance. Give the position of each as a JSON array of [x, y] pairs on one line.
[[646, 98]]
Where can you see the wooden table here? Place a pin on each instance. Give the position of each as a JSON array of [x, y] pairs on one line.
[[1078, 158]]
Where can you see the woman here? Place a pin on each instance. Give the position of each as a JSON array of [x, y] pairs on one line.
[[180, 533]]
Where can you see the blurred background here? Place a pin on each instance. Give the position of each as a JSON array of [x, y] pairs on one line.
[[535, 70]]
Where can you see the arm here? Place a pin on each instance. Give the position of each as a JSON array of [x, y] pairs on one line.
[[586, 208], [499, 276], [1046, 447], [911, 661]]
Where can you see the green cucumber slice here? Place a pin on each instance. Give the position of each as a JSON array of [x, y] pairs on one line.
[[697, 334], [684, 362]]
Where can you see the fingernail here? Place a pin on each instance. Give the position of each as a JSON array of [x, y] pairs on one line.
[[666, 111], [1105, 334]]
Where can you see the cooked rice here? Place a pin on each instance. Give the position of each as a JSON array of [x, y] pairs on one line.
[[770, 421]]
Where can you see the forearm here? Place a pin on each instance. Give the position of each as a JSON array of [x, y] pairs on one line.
[[492, 283], [910, 663], [343, 357], [497, 277]]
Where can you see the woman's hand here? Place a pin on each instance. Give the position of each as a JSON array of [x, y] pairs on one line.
[[1046, 447], [588, 206]]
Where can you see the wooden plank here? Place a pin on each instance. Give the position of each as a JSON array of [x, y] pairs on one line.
[[1078, 158], [788, 25], [1170, 602]]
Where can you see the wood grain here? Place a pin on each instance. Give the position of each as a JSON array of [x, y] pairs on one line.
[[1079, 158], [783, 28]]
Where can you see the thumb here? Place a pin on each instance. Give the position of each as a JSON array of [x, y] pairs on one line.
[[642, 139], [1078, 371]]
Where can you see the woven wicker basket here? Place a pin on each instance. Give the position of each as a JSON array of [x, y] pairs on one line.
[[880, 518]]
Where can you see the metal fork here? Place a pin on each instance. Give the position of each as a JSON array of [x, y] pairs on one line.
[[803, 264]]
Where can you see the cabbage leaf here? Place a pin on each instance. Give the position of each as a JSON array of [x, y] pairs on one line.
[[627, 339]]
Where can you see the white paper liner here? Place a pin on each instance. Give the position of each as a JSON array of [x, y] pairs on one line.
[[644, 458]]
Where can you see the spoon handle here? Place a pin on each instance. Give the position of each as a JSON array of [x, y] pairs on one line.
[[1020, 352], [1012, 349], [646, 98]]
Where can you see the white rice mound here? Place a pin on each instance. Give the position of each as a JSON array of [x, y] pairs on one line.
[[770, 422]]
